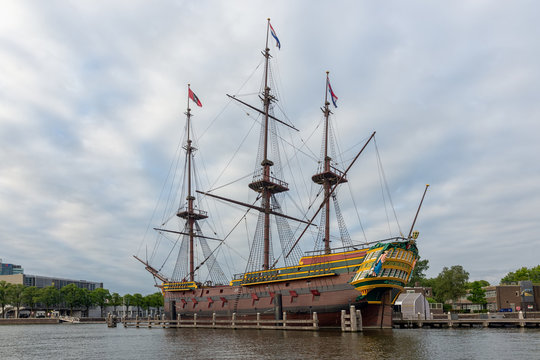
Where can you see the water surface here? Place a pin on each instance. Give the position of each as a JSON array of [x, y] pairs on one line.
[[96, 341]]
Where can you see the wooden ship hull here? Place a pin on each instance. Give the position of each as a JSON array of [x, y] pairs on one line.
[[325, 284]]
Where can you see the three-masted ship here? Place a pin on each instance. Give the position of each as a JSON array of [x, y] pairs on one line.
[[326, 280]]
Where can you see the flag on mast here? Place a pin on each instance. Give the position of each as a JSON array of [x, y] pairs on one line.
[[332, 95], [273, 32], [194, 97]]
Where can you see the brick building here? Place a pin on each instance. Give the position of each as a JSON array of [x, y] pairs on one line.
[[515, 297]]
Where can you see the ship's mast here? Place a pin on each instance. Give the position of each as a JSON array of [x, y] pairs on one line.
[[329, 175], [266, 163], [266, 185], [189, 213], [326, 112]]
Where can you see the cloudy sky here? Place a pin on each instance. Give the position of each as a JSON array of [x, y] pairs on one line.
[[92, 96]]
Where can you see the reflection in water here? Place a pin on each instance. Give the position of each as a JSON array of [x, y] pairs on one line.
[[99, 342]]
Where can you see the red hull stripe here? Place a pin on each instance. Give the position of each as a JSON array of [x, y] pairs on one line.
[[331, 257]]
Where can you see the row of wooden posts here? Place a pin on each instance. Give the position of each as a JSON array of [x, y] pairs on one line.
[[349, 322]]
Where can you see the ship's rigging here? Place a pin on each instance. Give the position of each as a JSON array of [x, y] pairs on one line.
[[270, 189]]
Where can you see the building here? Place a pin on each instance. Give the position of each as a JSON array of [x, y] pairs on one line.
[[10, 269], [14, 274], [523, 296], [426, 292], [44, 281], [463, 303], [412, 306]]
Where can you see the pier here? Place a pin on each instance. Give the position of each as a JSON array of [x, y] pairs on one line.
[[520, 319], [232, 322], [350, 322]]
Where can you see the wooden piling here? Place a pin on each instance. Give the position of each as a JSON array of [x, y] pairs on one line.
[[352, 313], [359, 325]]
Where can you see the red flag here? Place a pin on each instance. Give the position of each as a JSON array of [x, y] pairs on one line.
[[194, 97]]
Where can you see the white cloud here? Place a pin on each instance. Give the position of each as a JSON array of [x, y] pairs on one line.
[[93, 94]]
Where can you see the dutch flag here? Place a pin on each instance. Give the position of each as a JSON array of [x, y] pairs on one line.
[[332, 95], [273, 32]]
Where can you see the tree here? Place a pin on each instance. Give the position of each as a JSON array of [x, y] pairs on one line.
[[4, 286], [15, 296], [86, 300], [532, 274], [145, 303], [477, 293], [138, 301], [418, 275], [482, 283], [116, 300], [49, 296], [100, 297], [128, 301], [155, 300], [30, 298], [450, 284], [72, 296]]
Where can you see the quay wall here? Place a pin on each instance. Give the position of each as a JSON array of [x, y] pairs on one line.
[[29, 321]]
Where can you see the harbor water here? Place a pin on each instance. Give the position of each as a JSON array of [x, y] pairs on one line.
[[96, 341]]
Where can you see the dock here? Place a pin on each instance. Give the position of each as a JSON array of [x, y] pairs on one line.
[[232, 322], [351, 322], [449, 320]]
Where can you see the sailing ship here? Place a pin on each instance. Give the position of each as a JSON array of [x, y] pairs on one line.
[[327, 280]]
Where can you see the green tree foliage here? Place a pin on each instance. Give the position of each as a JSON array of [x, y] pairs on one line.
[[116, 300], [482, 283], [72, 296], [138, 301], [15, 296], [100, 297], [4, 286], [155, 300], [477, 294], [128, 300], [86, 299], [532, 274], [418, 275], [450, 284], [30, 298], [49, 296]]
